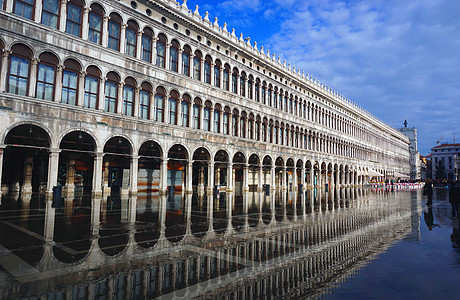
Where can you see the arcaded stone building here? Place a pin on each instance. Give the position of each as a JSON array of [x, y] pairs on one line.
[[141, 96]]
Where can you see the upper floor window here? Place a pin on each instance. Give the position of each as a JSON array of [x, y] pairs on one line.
[[74, 15], [147, 45], [131, 38], [234, 125], [144, 100], [235, 81], [197, 65], [70, 82], [226, 78], [196, 114], [95, 24], [257, 87], [161, 51], [216, 120], [159, 104], [18, 78], [206, 118], [174, 56], [217, 67], [173, 99], [186, 61], [185, 111], [114, 32], [128, 96], [264, 95], [225, 119], [111, 92], [250, 85], [243, 84], [207, 70], [92, 87], [46, 76], [24, 8], [50, 13]]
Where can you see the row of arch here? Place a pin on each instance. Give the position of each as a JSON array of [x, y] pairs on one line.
[[128, 97], [107, 27]]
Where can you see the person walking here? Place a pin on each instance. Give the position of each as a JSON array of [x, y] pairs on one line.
[[428, 191]]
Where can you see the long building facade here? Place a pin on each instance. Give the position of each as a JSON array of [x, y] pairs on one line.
[[140, 97]]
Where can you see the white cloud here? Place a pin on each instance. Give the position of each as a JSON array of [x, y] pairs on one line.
[[383, 55]]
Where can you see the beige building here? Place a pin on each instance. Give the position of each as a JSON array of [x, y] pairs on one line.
[[143, 96]]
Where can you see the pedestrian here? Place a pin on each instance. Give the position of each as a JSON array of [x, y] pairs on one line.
[[428, 191]]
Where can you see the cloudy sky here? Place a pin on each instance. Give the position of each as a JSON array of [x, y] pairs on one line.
[[399, 59]]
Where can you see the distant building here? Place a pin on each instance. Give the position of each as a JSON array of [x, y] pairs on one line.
[[425, 167], [415, 163], [446, 161]]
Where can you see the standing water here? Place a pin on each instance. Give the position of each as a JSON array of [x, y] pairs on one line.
[[345, 243]]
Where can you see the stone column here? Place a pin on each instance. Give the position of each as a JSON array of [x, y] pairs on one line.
[[259, 182], [179, 112], [284, 178], [53, 164], [81, 90], [221, 121], [58, 85], [97, 175], [63, 15], [123, 38], [38, 11], [85, 24], [4, 70], [272, 177], [229, 177], [202, 69], [48, 231], [179, 61], [70, 177], [211, 73], [302, 177], [245, 178], [101, 95], [133, 171], [33, 76], [105, 31], [136, 101], [28, 168], [164, 176], [210, 177], [167, 56], [139, 44], [119, 102], [201, 115], [188, 174]]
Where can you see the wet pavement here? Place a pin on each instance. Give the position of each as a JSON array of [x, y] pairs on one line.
[[344, 243]]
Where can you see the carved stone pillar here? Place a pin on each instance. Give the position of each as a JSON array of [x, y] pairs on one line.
[[63, 15], [58, 87], [84, 23], [97, 175], [53, 164], [4, 70], [33, 76]]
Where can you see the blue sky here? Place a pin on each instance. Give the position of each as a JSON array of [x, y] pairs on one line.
[[397, 59]]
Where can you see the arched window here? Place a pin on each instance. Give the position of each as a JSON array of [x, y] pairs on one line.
[[235, 81], [92, 87], [173, 99], [257, 129], [114, 32], [131, 38], [275, 97], [291, 111], [186, 61], [185, 110], [257, 87], [18, 78], [95, 24], [144, 100], [111, 92], [216, 118], [207, 116], [243, 84], [128, 96], [50, 13], [243, 125], [280, 98], [147, 37], [250, 84], [74, 16], [70, 82], [285, 102], [226, 79], [46, 76], [196, 113], [269, 95], [24, 8], [174, 56], [159, 104], [161, 51], [235, 123], [207, 69], [251, 126], [264, 94], [197, 65], [225, 119], [217, 67]]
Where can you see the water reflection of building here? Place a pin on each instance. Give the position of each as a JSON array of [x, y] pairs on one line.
[[245, 247], [138, 97]]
